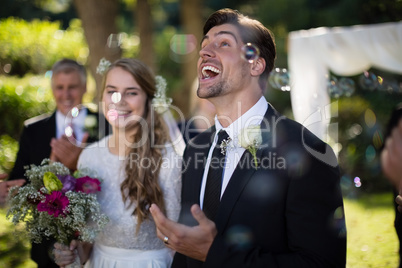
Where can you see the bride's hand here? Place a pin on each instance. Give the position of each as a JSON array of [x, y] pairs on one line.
[[64, 255]]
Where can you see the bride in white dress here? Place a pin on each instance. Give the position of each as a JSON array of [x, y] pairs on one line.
[[135, 173]]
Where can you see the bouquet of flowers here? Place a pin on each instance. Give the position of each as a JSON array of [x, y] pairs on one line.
[[56, 204]]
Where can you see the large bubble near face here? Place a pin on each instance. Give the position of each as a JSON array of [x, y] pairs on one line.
[[250, 52]]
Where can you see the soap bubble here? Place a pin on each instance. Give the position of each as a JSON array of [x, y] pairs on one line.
[[183, 44], [347, 86], [240, 237], [250, 52], [282, 80], [370, 118], [368, 80], [389, 86], [116, 97], [68, 131], [112, 115], [370, 153], [7, 68], [182, 47], [357, 182], [279, 79], [114, 40], [333, 88], [75, 112]]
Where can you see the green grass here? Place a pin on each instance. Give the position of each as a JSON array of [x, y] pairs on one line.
[[372, 241], [14, 248]]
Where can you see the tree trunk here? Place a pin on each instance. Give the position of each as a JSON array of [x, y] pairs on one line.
[[191, 20], [145, 27], [99, 22]]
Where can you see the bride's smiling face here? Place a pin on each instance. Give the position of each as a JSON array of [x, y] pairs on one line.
[[124, 100]]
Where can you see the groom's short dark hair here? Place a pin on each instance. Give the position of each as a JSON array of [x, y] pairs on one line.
[[251, 31]]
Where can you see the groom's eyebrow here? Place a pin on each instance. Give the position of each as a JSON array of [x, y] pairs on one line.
[[220, 33]]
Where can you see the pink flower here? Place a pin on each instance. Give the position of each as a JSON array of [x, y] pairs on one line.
[[87, 185], [55, 204]]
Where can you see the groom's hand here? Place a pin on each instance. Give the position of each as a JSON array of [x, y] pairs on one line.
[[194, 241]]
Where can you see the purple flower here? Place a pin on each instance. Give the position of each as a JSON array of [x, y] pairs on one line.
[[68, 182], [55, 204], [87, 185]]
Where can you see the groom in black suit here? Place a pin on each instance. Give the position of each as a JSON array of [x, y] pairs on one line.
[[60, 136], [277, 202]]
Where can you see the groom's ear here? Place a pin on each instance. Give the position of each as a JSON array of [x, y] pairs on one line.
[[258, 67]]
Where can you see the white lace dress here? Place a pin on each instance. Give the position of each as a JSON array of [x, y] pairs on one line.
[[118, 245]]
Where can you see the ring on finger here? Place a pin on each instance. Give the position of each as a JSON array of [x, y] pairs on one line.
[[166, 240]]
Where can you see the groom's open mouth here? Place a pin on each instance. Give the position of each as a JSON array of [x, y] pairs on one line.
[[209, 71]]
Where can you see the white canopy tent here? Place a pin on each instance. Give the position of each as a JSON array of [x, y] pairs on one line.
[[346, 51]]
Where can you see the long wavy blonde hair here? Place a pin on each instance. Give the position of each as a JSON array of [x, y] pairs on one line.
[[141, 186]]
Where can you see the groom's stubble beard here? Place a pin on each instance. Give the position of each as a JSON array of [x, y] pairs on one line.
[[211, 91], [222, 87]]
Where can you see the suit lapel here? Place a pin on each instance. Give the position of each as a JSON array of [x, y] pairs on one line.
[[245, 170], [52, 125], [50, 132], [237, 182], [46, 135], [194, 160], [199, 148]]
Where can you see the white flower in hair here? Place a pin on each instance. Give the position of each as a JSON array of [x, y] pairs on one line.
[[103, 66], [160, 101]]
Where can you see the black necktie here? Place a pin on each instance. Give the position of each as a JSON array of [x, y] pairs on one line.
[[214, 179]]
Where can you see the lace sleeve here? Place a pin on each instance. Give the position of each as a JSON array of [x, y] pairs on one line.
[[170, 181]]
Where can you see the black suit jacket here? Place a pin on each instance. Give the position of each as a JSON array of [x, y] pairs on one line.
[[34, 146], [287, 212]]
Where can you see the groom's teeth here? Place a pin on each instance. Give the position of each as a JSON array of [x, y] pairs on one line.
[[209, 68], [122, 112], [204, 73]]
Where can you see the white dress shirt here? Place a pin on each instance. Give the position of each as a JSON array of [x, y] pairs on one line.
[[234, 152], [78, 123]]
